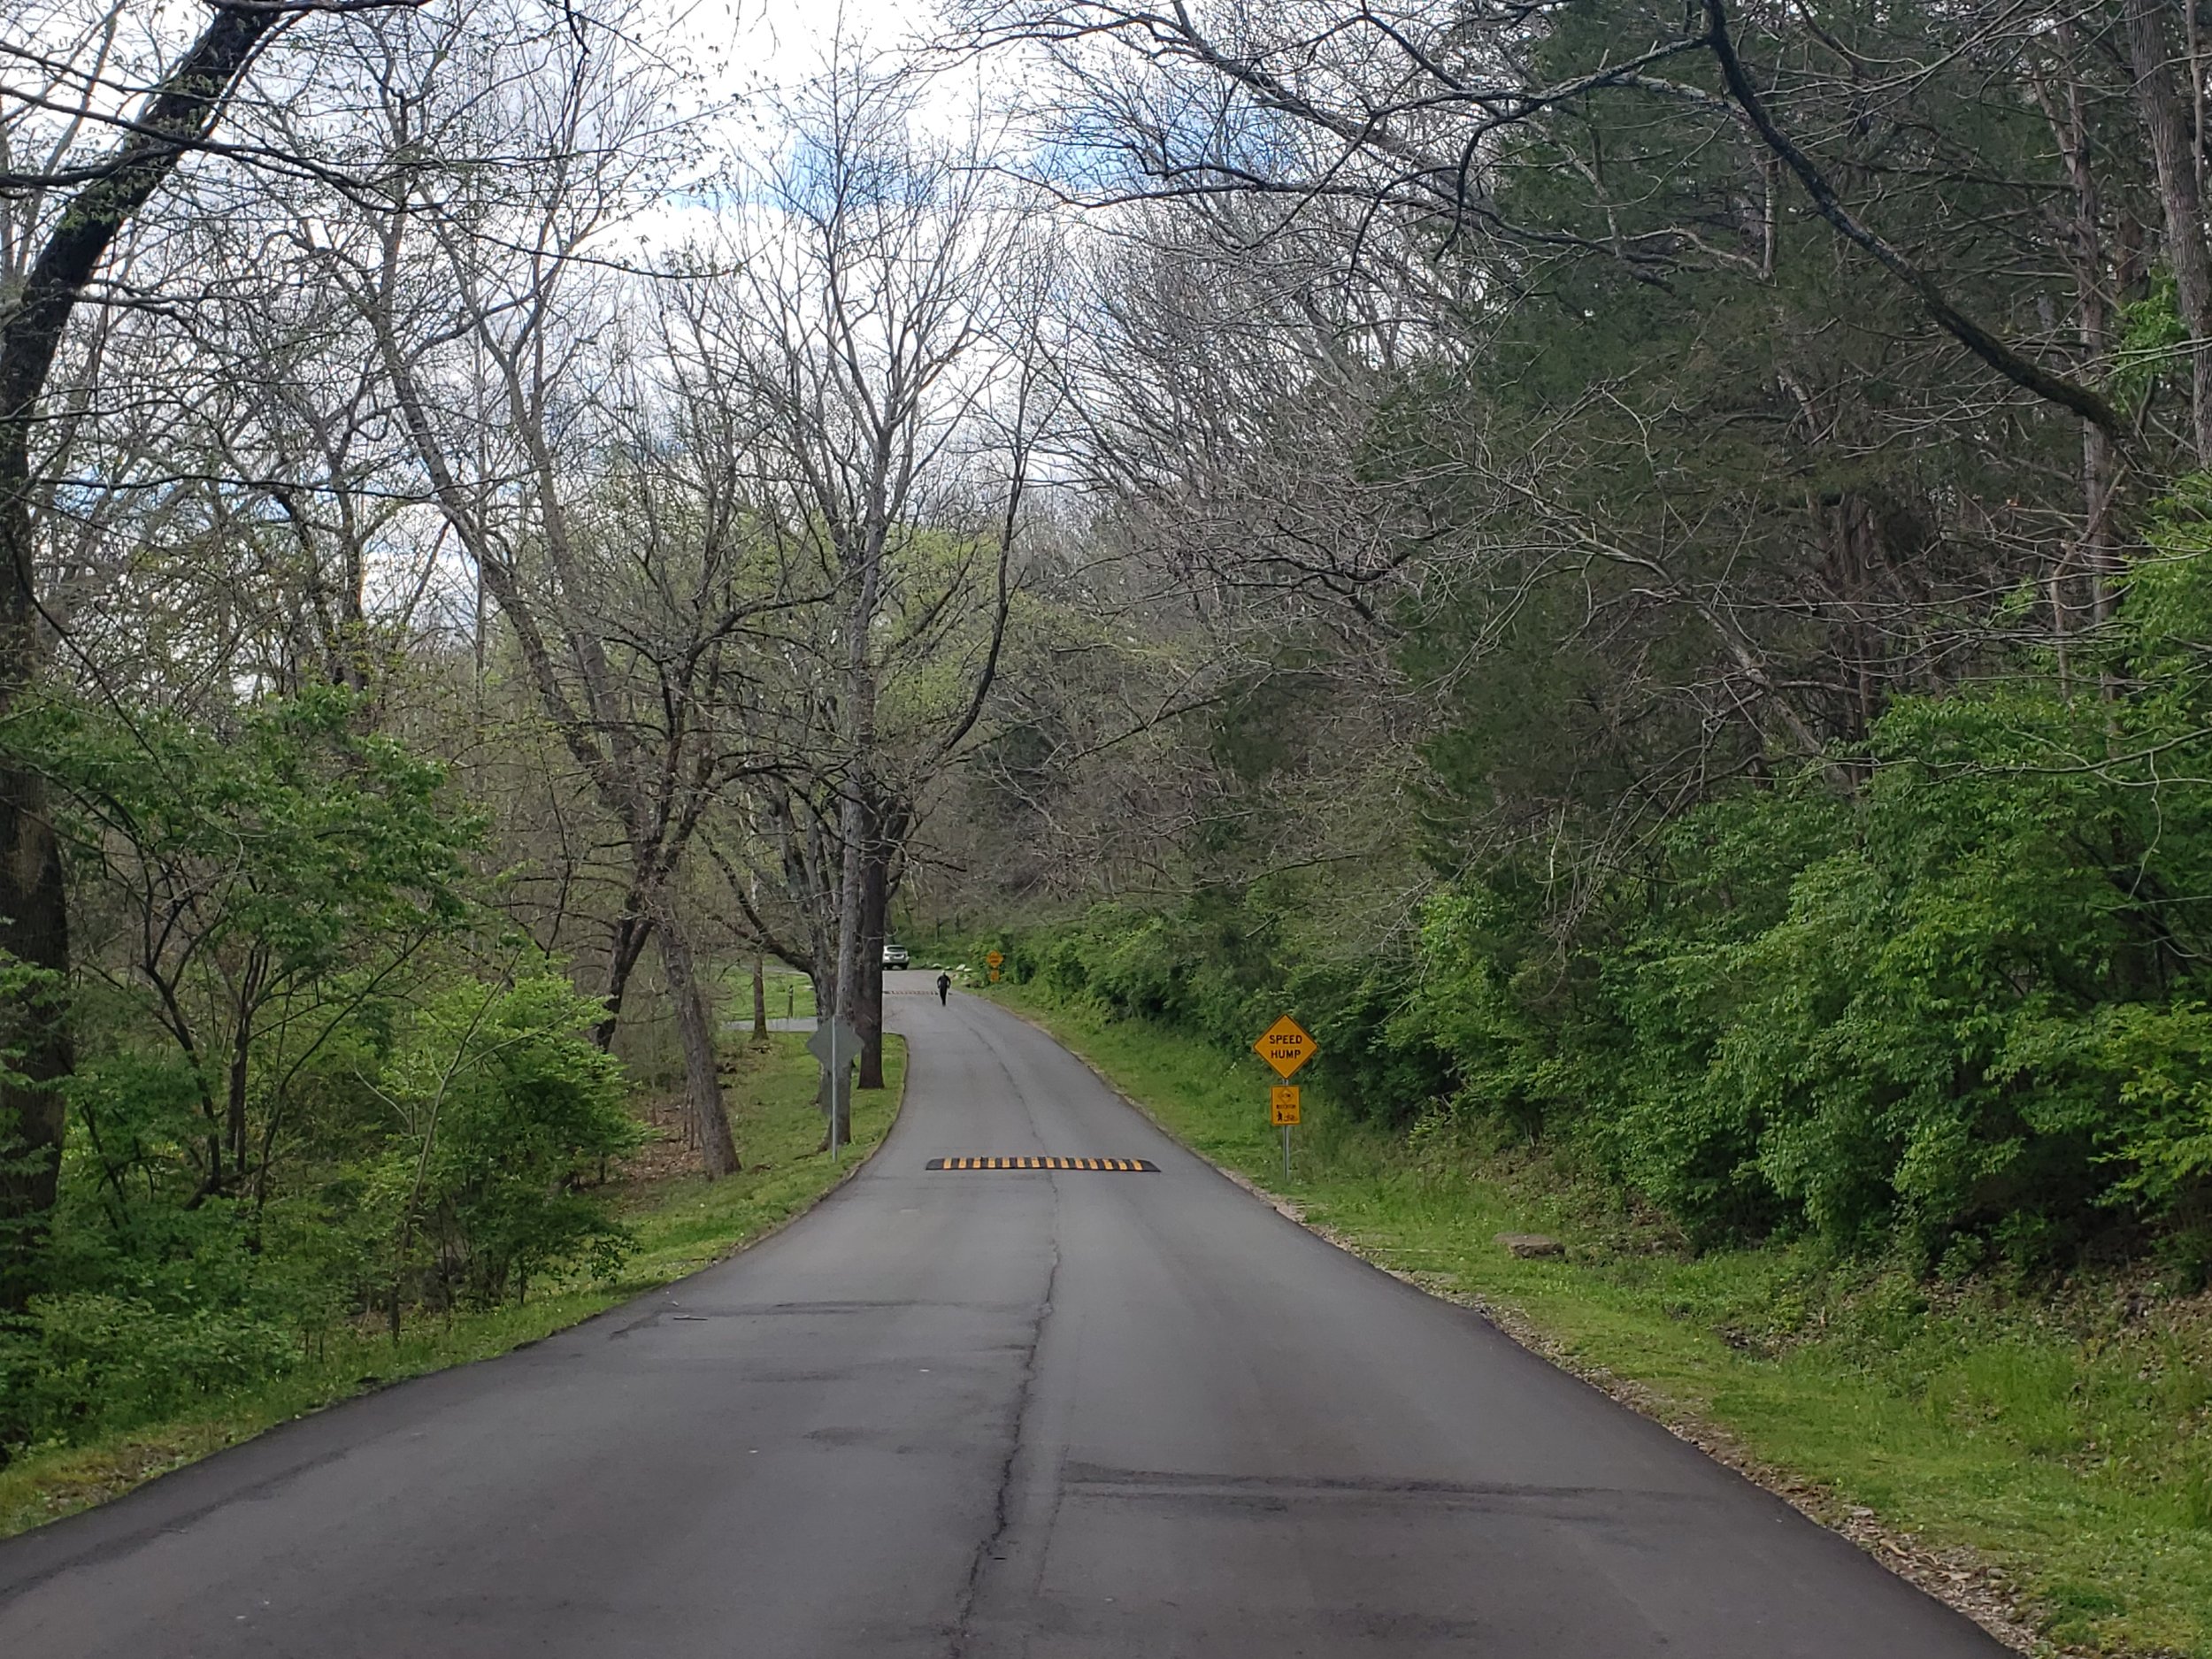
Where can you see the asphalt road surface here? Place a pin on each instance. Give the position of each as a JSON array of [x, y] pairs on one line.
[[1077, 1415]]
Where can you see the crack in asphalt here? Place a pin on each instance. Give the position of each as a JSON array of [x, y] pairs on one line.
[[988, 1551]]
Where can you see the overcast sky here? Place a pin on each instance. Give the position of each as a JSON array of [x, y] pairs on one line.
[[780, 41]]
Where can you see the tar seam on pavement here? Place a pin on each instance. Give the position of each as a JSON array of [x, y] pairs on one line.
[[1129, 1166]]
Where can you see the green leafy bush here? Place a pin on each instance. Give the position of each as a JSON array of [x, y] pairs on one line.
[[93, 1360], [504, 1108], [1963, 1004], [306, 1093]]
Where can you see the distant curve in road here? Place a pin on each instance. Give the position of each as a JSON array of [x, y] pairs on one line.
[[1073, 1414]]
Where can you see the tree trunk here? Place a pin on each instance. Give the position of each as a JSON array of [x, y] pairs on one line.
[[2096, 556], [33, 915], [694, 1023], [824, 1001], [235, 1098], [868, 1005], [847, 1004], [630, 936], [2173, 150], [34, 931], [760, 995]]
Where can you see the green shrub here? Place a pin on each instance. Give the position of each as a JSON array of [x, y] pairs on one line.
[[1964, 1006], [505, 1108], [93, 1360]]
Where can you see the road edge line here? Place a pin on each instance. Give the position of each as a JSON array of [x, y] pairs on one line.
[[898, 1110]]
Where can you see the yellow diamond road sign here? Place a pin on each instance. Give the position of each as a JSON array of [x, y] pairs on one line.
[[1286, 1046]]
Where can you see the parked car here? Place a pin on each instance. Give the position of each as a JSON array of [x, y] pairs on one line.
[[895, 955]]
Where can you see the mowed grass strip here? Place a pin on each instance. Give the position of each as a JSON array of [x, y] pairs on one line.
[[786, 996], [2061, 1435], [682, 1222]]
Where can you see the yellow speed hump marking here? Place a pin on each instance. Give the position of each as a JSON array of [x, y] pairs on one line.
[[1282, 1101], [1045, 1161], [1286, 1046]]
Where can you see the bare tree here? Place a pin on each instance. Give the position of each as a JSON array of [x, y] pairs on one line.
[[883, 323], [499, 397], [1413, 310]]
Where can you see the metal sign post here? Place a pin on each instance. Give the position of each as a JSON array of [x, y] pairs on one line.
[[1282, 1105], [1284, 1046]]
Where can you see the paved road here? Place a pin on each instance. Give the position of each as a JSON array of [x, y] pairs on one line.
[[1071, 1415]]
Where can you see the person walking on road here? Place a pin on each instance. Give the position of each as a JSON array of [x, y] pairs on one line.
[[944, 989]]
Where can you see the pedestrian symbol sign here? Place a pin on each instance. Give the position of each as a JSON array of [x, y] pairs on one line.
[[1286, 1046], [1283, 1103]]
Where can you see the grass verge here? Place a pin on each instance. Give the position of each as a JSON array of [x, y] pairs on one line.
[[2041, 1456], [681, 1221], [788, 995]]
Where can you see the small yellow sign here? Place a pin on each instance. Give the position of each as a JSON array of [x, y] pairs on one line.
[[993, 958], [1286, 1046], [995, 976], [1282, 1101]]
